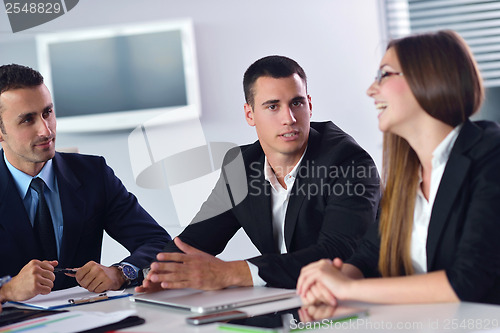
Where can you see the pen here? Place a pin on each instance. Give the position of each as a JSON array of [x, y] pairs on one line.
[[64, 270], [4, 280], [99, 297]]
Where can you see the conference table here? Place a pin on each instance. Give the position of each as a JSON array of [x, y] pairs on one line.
[[442, 317]]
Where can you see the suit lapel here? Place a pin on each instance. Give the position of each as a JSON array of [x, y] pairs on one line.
[[298, 194], [292, 212], [73, 209], [14, 218], [454, 175], [263, 219], [260, 201]]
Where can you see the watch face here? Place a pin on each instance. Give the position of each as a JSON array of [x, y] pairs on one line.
[[129, 272]]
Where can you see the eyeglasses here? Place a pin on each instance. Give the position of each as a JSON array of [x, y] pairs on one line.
[[382, 73]]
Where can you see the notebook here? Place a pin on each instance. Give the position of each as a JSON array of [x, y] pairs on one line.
[[217, 300]]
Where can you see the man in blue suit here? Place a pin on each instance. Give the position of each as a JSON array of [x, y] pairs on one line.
[[80, 197]]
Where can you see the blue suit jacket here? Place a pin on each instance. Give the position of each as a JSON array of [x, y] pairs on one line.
[[93, 199]]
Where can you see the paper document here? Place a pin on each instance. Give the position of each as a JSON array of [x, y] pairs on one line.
[[65, 322], [68, 297]]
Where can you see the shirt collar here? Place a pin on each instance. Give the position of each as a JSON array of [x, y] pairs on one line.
[[442, 152], [23, 180], [270, 176]]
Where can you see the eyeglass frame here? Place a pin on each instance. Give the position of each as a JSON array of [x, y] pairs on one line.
[[383, 73]]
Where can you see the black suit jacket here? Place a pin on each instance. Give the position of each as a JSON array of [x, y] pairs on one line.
[[464, 230], [332, 202], [93, 199]]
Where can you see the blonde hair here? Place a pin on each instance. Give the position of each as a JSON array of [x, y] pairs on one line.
[[397, 206]]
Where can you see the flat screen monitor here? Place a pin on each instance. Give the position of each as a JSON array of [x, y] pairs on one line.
[[117, 77]]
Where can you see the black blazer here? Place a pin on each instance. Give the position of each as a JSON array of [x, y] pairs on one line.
[[93, 199], [464, 230], [332, 202]]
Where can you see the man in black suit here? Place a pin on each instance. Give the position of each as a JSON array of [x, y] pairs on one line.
[[80, 195], [312, 192]]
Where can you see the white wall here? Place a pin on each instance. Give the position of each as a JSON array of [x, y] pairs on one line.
[[339, 44]]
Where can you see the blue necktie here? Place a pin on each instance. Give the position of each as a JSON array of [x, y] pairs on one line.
[[44, 230]]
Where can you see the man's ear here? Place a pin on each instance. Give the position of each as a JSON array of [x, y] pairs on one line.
[[310, 106], [249, 114], [1, 133]]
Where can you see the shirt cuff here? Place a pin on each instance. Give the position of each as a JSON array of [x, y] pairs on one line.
[[256, 279]]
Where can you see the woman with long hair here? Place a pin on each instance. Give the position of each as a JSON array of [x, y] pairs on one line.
[[438, 233]]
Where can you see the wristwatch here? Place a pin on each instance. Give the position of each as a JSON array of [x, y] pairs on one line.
[[128, 272]]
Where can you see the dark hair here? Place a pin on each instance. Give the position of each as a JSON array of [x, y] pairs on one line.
[[15, 76], [442, 74], [274, 66]]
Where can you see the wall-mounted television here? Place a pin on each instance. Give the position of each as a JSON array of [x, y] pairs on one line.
[[117, 77]]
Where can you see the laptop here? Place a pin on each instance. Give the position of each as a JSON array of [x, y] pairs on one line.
[[217, 300]]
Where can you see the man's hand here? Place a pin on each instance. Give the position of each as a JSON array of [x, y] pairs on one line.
[[98, 278], [37, 277], [148, 286], [195, 269]]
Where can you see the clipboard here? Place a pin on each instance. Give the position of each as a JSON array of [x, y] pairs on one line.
[[70, 297]]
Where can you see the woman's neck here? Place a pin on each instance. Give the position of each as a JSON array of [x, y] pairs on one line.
[[424, 139]]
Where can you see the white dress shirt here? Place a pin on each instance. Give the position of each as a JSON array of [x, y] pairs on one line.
[[423, 207], [279, 201]]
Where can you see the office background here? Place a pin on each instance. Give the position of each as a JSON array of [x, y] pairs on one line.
[[338, 43]]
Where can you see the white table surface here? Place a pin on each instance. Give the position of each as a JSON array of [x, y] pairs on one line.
[[444, 317]]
